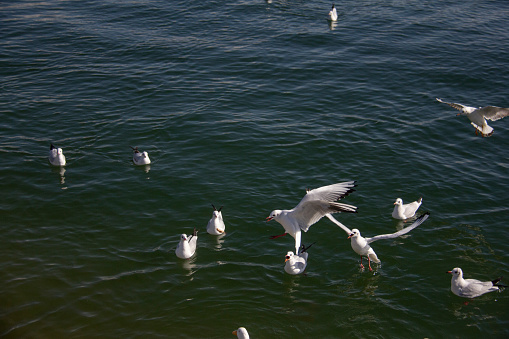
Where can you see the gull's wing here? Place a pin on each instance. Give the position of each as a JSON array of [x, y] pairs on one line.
[[343, 227], [494, 113], [459, 107], [405, 230], [332, 192], [309, 212]]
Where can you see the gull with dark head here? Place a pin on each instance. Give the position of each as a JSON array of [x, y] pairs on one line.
[[361, 245], [471, 288], [478, 116], [315, 204]]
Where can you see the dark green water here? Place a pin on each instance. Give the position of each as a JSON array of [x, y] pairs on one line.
[[245, 104]]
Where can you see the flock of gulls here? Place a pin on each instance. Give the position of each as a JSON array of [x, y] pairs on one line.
[[324, 201]]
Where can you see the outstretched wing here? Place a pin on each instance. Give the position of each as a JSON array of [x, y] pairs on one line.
[[459, 107], [405, 230], [332, 192], [343, 227], [494, 113], [312, 211]]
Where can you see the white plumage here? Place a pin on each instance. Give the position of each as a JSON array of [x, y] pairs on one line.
[[187, 245], [241, 333], [315, 204], [361, 245], [296, 263], [471, 288], [216, 225], [404, 211], [333, 15], [478, 116], [56, 156], [140, 158]]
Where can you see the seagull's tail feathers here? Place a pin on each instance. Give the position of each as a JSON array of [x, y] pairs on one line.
[[340, 207], [372, 256]]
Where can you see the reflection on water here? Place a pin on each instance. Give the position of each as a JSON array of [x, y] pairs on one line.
[[189, 265], [332, 24], [219, 241], [60, 170]]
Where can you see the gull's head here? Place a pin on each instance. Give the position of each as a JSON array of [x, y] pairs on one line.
[[398, 202], [145, 155], [355, 233], [183, 237], [288, 256], [241, 332], [274, 215], [59, 151], [215, 214], [456, 272]]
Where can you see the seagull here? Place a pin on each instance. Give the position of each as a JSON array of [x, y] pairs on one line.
[[216, 223], [406, 211], [296, 263], [56, 156], [315, 204], [187, 245], [241, 333], [471, 288], [333, 15], [140, 158], [478, 116], [361, 245]]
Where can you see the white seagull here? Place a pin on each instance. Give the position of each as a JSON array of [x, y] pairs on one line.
[[478, 116], [140, 158], [216, 224], [56, 156], [471, 288], [404, 211], [333, 15], [315, 204], [241, 333], [361, 245], [187, 245], [296, 263]]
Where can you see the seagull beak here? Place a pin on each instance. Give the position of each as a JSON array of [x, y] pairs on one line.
[[449, 272], [234, 332], [287, 258], [351, 235], [269, 219]]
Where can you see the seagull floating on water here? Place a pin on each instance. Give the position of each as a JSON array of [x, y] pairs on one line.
[[315, 204], [296, 263], [361, 245], [187, 245], [333, 15], [478, 116], [241, 333], [140, 158], [471, 288], [56, 156], [216, 224], [405, 211]]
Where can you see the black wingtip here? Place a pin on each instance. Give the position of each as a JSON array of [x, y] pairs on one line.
[[304, 248]]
